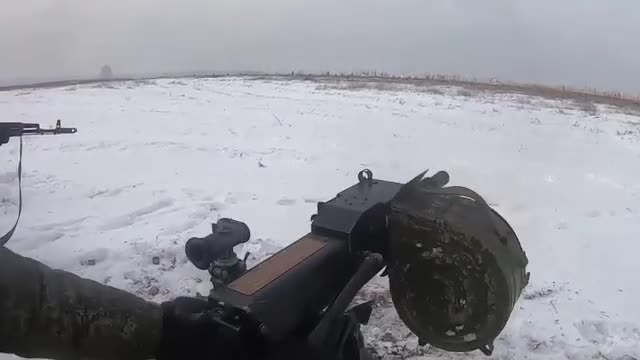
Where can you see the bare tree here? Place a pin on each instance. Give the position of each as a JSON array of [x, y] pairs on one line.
[[105, 72]]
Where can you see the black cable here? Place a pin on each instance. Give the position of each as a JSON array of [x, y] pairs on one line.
[[8, 235]]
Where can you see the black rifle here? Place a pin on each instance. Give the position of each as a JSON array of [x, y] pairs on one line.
[[16, 129]]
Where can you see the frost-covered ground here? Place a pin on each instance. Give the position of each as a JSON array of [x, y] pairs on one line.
[[155, 162]]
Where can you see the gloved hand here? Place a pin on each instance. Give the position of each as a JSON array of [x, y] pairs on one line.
[[189, 333]]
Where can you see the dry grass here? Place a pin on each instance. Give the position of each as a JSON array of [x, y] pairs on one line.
[[432, 90], [178, 82], [588, 108], [587, 98], [523, 100], [464, 93], [525, 95], [355, 85]]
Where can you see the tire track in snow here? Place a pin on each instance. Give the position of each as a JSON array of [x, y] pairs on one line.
[[132, 217]]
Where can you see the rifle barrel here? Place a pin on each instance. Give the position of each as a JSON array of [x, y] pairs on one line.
[[16, 129]]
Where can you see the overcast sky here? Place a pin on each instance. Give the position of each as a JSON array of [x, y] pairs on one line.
[[576, 42]]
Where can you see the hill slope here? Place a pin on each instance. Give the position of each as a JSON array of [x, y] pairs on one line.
[[155, 162]]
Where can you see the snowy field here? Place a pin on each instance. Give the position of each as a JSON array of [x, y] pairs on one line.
[[154, 162]]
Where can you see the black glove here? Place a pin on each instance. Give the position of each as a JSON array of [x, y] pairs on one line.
[[189, 333]]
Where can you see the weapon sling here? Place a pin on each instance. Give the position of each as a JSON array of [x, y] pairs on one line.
[[9, 234]]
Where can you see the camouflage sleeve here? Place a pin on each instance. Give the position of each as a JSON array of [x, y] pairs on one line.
[[54, 314]]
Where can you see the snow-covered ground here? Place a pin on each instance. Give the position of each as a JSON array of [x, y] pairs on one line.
[[155, 162]]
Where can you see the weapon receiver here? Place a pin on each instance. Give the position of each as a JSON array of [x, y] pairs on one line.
[[454, 281]]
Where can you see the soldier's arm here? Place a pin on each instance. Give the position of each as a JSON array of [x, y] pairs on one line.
[[57, 315]]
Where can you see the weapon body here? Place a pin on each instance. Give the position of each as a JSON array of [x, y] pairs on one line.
[[16, 129], [297, 301]]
